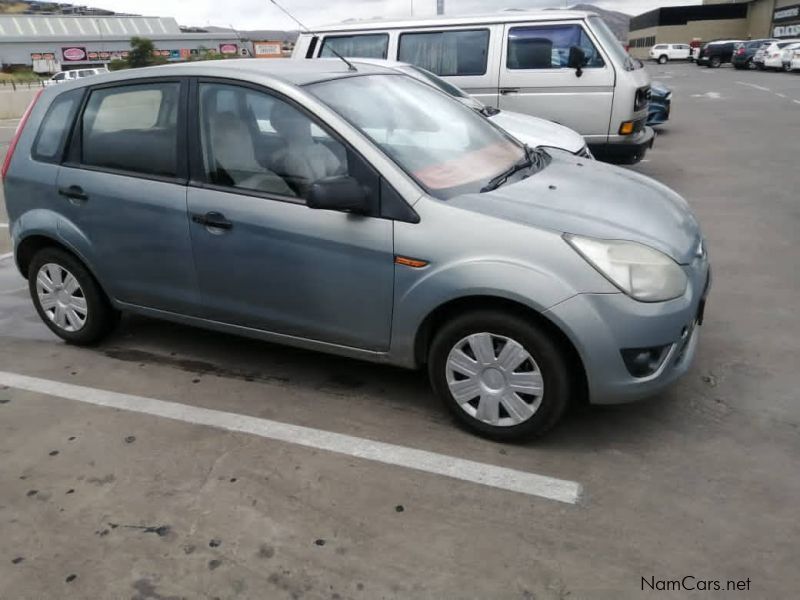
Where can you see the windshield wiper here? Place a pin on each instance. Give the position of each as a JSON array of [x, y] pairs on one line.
[[532, 158]]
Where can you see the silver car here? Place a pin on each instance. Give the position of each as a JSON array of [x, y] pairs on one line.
[[354, 210]]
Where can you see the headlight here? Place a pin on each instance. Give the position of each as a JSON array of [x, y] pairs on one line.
[[640, 271]]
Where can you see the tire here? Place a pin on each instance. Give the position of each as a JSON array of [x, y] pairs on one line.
[[787, 68], [715, 62], [662, 60], [543, 369], [751, 65], [80, 313]]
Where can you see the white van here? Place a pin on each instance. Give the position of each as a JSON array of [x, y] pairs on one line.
[[564, 66], [64, 76]]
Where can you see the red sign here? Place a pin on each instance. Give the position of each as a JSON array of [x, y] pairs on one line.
[[73, 54], [228, 49]]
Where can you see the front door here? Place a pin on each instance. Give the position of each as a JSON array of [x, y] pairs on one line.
[[535, 78], [266, 260]]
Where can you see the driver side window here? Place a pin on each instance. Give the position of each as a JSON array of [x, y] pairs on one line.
[[254, 141], [547, 47]]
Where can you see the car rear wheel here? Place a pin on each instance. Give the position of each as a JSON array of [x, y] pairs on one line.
[[751, 65], [662, 59], [500, 374], [715, 62], [787, 67], [68, 299]]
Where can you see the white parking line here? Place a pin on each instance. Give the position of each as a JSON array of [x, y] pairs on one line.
[[6, 256], [796, 101], [390, 454], [779, 95], [753, 85], [3, 225]]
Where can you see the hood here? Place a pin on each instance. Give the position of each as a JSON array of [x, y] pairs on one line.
[[594, 199], [538, 132]]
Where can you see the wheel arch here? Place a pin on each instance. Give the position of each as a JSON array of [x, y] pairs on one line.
[[458, 306]]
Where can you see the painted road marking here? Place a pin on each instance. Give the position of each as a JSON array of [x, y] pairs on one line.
[[3, 225], [711, 95], [6, 256], [390, 454], [753, 85], [796, 101]]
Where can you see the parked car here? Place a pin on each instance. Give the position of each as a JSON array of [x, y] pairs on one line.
[[716, 53], [563, 66], [770, 56], [666, 52], [660, 104], [744, 52], [529, 130], [787, 54], [794, 61], [64, 76], [354, 210]]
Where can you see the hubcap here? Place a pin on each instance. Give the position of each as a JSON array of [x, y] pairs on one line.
[[61, 297], [494, 379]]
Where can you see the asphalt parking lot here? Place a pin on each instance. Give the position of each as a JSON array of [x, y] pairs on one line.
[[112, 495]]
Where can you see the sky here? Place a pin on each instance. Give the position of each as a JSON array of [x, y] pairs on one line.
[[261, 14]]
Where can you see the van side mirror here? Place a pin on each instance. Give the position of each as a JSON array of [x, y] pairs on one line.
[[577, 58], [339, 192]]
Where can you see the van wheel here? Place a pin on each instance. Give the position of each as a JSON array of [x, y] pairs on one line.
[[715, 62], [68, 299], [662, 59], [500, 375]]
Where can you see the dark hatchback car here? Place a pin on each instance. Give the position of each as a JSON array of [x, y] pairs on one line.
[[716, 53], [743, 53]]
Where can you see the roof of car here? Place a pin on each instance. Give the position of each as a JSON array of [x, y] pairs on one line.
[[297, 72], [508, 16]]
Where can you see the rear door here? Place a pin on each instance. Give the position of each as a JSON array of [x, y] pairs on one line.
[[535, 79], [122, 191]]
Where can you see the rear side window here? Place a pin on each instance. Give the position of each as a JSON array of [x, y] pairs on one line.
[[133, 128], [446, 53], [55, 126], [356, 46], [547, 47]]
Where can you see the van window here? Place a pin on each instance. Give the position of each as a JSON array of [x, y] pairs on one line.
[[59, 76], [547, 47], [132, 128], [374, 45], [55, 126], [446, 52]]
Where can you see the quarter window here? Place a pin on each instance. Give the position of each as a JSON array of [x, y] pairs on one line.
[[356, 46], [258, 142], [133, 128], [447, 53], [548, 47], [55, 126]]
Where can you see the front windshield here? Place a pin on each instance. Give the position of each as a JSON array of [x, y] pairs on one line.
[[612, 45], [446, 147]]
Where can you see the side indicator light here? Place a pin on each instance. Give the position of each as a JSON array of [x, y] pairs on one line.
[[626, 128], [414, 263]]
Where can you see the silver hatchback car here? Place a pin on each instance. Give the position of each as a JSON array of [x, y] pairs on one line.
[[360, 212]]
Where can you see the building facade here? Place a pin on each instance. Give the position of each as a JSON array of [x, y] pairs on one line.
[[715, 19], [65, 42]]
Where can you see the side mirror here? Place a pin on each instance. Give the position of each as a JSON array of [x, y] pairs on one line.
[[577, 58], [340, 192]]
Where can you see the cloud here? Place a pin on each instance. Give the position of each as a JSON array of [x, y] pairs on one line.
[[261, 14]]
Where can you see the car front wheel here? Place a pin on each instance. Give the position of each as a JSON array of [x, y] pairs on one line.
[[662, 59], [499, 374], [68, 299]]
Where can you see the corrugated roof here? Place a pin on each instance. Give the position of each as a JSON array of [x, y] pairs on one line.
[[23, 27]]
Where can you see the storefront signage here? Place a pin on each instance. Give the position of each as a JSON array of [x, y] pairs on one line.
[[73, 54], [43, 56], [267, 49], [786, 31], [228, 49], [787, 13]]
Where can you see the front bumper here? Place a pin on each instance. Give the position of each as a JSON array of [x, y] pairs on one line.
[[601, 325], [625, 150]]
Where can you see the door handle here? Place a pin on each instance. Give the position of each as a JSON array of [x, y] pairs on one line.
[[213, 219], [507, 91], [73, 192]]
